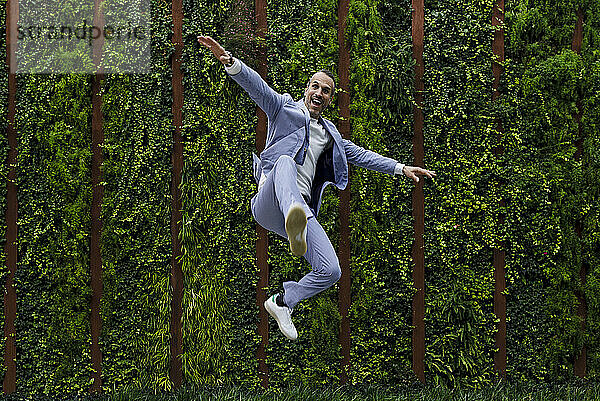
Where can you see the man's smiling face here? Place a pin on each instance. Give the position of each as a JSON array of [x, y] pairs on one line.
[[318, 93]]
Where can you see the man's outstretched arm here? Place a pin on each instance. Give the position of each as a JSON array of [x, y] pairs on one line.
[[374, 161], [261, 93]]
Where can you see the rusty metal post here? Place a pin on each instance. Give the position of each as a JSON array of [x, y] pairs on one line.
[[262, 243], [10, 249], [418, 199], [499, 251], [344, 299], [176, 338]]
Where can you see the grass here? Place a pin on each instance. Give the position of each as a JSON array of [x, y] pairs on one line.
[[499, 392]]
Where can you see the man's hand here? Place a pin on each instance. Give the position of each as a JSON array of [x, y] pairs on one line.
[[413, 172], [220, 54]]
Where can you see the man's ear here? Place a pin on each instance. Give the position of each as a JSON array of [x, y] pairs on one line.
[[329, 101]]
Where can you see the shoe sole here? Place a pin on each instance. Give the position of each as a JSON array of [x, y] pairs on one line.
[[272, 313], [295, 223]]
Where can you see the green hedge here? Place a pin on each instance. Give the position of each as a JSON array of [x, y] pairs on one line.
[[136, 238], [461, 207], [218, 233], [52, 279], [546, 190], [136, 241], [381, 222], [551, 190]]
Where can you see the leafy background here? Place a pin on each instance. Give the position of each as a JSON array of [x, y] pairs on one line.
[[545, 188]]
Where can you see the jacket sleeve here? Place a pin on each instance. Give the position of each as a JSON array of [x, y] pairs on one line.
[[261, 93], [368, 159]]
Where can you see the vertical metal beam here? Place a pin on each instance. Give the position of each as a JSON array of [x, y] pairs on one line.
[[10, 249], [344, 299], [97, 195], [499, 251], [418, 199], [262, 242], [578, 32], [262, 247], [176, 336], [579, 366]]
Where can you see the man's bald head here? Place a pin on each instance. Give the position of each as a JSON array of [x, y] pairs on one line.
[[319, 92]]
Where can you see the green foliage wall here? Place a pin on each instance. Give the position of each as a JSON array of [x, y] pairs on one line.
[[381, 223], [136, 234], [218, 233], [461, 207], [545, 188], [590, 183], [136, 238], [52, 280], [551, 190], [53, 283]]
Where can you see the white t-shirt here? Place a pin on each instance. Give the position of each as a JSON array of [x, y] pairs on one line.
[[319, 141]]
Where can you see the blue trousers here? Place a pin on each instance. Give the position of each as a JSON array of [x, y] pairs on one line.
[[269, 208]]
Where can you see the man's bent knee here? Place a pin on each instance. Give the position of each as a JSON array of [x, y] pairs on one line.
[[336, 273], [332, 272]]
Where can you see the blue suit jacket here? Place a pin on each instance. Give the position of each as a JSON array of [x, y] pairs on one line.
[[288, 134]]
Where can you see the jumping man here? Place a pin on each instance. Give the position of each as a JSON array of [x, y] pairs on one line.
[[304, 153]]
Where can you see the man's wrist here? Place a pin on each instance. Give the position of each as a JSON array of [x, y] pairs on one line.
[[230, 61], [399, 169], [234, 68]]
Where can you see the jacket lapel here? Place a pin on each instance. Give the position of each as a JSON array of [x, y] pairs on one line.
[[302, 107], [302, 154]]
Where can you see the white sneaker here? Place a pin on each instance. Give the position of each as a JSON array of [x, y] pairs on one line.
[[283, 316], [295, 227]]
